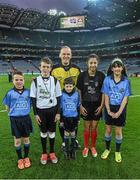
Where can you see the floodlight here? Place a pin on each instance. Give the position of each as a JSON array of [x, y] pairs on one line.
[[52, 12]]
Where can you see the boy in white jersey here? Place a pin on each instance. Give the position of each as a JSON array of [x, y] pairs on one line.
[[45, 93]]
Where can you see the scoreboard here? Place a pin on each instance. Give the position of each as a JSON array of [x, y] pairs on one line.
[[72, 22]]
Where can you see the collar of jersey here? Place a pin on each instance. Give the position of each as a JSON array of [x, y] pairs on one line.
[[66, 68], [45, 77], [92, 76], [122, 77], [70, 92], [17, 90]]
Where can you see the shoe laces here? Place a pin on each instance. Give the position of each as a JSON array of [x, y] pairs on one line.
[[52, 156], [44, 157], [93, 150]]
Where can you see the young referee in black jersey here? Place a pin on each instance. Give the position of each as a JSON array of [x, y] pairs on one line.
[[90, 83]]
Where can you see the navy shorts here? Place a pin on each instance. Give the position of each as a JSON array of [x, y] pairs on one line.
[[91, 108], [21, 126], [120, 121], [47, 117], [70, 124]]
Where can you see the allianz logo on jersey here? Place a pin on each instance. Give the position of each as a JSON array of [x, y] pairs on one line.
[[70, 106], [21, 105]]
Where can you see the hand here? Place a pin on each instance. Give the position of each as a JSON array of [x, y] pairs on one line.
[[83, 111], [38, 119], [116, 115], [111, 114], [61, 124], [98, 110], [7, 108], [57, 118]]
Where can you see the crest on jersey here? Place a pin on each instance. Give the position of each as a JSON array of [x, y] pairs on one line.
[[96, 84]]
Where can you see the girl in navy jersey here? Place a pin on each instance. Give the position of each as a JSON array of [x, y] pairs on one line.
[[92, 101]]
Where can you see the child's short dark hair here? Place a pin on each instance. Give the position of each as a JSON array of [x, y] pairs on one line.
[[46, 60], [69, 80], [18, 73]]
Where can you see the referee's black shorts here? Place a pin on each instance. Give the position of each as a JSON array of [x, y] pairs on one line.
[[91, 107], [47, 117]]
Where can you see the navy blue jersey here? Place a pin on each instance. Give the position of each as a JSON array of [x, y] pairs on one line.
[[69, 104], [90, 86], [116, 91], [18, 103]]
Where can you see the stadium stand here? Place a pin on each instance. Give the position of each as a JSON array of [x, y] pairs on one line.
[[28, 34]]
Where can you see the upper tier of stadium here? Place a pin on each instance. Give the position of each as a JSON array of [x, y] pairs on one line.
[[99, 14], [112, 29]]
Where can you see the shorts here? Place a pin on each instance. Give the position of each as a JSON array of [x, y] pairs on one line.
[[70, 124], [47, 117], [91, 108], [120, 121], [21, 126]]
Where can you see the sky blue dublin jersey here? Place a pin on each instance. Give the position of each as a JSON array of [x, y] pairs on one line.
[[69, 104], [18, 103], [116, 91]]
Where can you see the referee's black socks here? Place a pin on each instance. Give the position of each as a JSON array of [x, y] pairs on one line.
[[44, 144]]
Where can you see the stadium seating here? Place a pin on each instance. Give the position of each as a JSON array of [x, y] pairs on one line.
[[17, 44]]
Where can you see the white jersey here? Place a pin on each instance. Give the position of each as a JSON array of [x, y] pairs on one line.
[[45, 91]]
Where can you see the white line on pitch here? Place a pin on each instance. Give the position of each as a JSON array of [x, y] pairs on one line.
[[3, 110], [135, 96]]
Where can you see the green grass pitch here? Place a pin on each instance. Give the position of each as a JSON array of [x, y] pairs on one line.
[[81, 168]]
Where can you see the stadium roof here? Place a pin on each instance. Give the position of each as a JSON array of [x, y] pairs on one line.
[[110, 13], [68, 6], [99, 14]]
